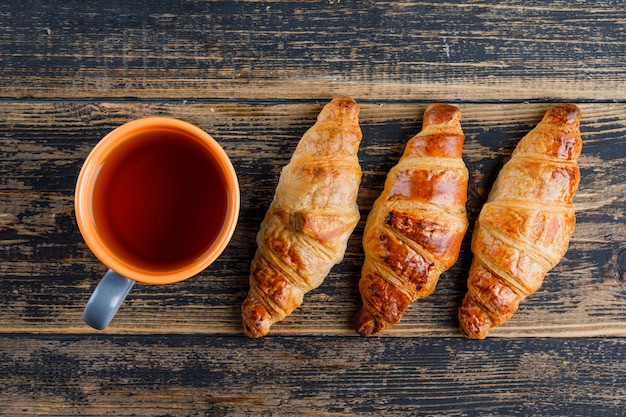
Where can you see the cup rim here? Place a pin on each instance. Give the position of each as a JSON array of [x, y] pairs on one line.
[[84, 188]]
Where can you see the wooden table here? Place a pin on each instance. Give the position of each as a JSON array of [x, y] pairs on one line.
[[254, 75]]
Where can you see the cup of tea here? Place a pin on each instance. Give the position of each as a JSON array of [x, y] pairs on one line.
[[157, 201]]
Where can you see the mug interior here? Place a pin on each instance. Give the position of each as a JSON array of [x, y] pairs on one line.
[[125, 235]]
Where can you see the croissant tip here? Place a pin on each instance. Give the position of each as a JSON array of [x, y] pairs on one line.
[[563, 114], [471, 334], [255, 331], [252, 332], [256, 318], [474, 322], [344, 100], [440, 113], [339, 108], [365, 323]]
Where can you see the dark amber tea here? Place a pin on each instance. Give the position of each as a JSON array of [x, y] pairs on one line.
[[160, 201]]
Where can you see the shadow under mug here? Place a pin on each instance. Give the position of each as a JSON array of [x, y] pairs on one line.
[[157, 201]]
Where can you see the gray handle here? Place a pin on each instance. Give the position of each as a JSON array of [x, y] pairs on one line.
[[106, 299]]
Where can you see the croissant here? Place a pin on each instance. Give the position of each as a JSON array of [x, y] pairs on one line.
[[306, 229], [414, 230], [524, 228]]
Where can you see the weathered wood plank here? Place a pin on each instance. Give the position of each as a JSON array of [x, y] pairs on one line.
[[236, 376], [393, 50], [48, 272], [255, 74]]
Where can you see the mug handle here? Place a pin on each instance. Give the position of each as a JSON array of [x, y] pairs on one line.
[[106, 299]]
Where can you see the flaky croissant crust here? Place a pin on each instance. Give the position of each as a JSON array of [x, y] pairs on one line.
[[306, 229], [525, 226], [415, 228]]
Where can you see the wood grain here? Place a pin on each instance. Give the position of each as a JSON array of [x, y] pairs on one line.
[[254, 74], [232, 376], [276, 50], [49, 272]]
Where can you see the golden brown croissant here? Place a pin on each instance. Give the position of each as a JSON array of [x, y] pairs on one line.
[[415, 228], [525, 226], [306, 229]]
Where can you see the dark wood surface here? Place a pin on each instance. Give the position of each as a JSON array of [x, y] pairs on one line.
[[254, 75]]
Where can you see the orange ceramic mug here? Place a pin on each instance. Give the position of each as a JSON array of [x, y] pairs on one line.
[[157, 201]]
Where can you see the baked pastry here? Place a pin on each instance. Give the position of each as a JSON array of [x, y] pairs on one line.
[[525, 226], [306, 229], [414, 231]]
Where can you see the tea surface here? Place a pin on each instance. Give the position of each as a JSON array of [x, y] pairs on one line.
[[160, 202]]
